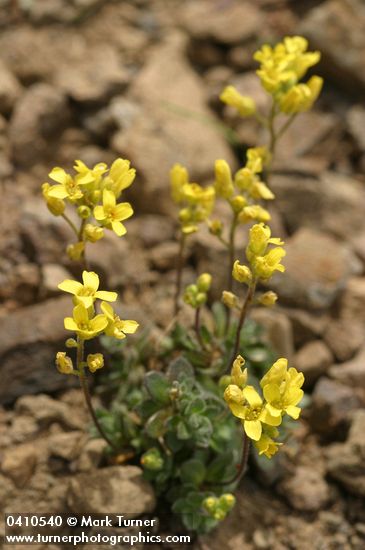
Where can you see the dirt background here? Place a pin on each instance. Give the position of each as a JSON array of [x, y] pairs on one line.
[[94, 80]]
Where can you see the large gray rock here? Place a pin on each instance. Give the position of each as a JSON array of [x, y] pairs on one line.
[[10, 89], [169, 127], [313, 360], [333, 203], [351, 373], [37, 123], [113, 490], [306, 490], [29, 340], [317, 270], [336, 28]]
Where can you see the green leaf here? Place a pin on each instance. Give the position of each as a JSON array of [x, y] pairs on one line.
[[192, 471], [156, 424], [180, 369], [195, 407], [220, 468], [158, 386], [182, 431]]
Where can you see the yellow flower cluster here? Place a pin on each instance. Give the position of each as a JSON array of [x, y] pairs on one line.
[[195, 295], [246, 187], [219, 507], [263, 262], [281, 69], [261, 415], [197, 202], [94, 193], [86, 323]]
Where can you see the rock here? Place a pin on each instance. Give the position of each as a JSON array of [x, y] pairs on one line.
[[52, 276], [356, 125], [346, 460], [66, 445], [344, 337], [317, 269], [19, 463], [10, 90], [91, 455], [47, 411], [343, 60], [309, 145], [351, 373], [306, 490], [107, 490], [164, 256], [37, 123], [306, 325], [313, 360], [151, 229], [331, 406], [21, 282], [168, 91], [58, 11], [277, 330], [353, 300], [226, 23], [93, 76], [29, 341], [334, 203]]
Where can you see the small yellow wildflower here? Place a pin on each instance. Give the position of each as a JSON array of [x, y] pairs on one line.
[[276, 374], [268, 299], [93, 233], [301, 97], [178, 178], [239, 376], [67, 187], [87, 292], [241, 273], [83, 325], [117, 327], [95, 361], [230, 300], [266, 444], [112, 214], [245, 105], [254, 212], [120, 177], [64, 363], [55, 206], [75, 251], [223, 179]]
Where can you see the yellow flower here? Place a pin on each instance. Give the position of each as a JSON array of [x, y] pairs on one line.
[[237, 203], [120, 177], [241, 273], [88, 292], [259, 190], [112, 214], [87, 175], [268, 299], [223, 179], [95, 361], [75, 251], [266, 444], [245, 105], [251, 410], [257, 158], [117, 327], [239, 376], [276, 374], [55, 206], [283, 399], [254, 212], [64, 363], [81, 323], [67, 187], [93, 233], [259, 239], [301, 97], [264, 266], [178, 178], [229, 299]]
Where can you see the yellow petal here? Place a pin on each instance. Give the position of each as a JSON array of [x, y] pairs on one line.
[[70, 324], [91, 280], [118, 228], [294, 412], [58, 192], [59, 175], [251, 395], [123, 211], [86, 301], [129, 327], [107, 310], [271, 392], [73, 287], [237, 410], [99, 323], [80, 314], [106, 295], [99, 213], [108, 199], [267, 418], [253, 429]]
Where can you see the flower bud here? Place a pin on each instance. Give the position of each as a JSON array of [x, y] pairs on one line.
[[95, 361], [75, 251], [210, 504], [268, 298], [64, 363], [229, 299], [233, 394], [237, 203], [216, 227], [244, 104], [200, 299], [227, 501], [224, 381], [71, 343], [223, 179], [152, 460], [241, 273], [55, 206], [204, 281], [239, 376], [84, 212], [93, 233]]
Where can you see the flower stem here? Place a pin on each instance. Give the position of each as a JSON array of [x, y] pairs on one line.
[[197, 327], [244, 310], [85, 388], [241, 470], [179, 269], [71, 224]]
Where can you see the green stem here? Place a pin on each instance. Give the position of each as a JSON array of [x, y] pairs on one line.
[[179, 269], [245, 307], [71, 224], [197, 327], [85, 388]]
